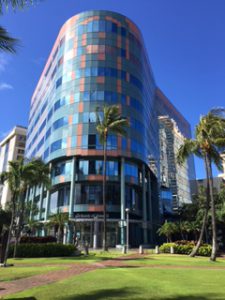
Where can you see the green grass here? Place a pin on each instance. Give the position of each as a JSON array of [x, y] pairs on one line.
[[134, 283], [13, 273], [177, 260], [93, 257]]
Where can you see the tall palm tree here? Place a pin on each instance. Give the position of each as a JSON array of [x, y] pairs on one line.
[[19, 176], [208, 142], [58, 221], [110, 122]]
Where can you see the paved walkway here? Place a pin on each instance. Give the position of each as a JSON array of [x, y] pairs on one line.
[[19, 285]]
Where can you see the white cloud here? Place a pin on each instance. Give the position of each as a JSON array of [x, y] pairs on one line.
[[5, 86], [4, 60]]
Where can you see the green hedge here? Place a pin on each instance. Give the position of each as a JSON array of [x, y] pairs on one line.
[[43, 250], [37, 239], [204, 250]]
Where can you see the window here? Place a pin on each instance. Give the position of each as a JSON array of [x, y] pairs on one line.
[[58, 82], [48, 133], [56, 145], [46, 153], [91, 141], [59, 123], [75, 118]]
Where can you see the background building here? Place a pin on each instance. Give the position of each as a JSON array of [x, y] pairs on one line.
[[174, 179], [98, 58], [223, 174], [173, 176], [12, 147]]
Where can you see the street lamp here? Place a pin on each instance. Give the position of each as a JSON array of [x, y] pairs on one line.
[[127, 211]]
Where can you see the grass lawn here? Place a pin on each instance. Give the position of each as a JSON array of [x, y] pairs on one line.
[[139, 283], [91, 258], [177, 260], [134, 283], [17, 272]]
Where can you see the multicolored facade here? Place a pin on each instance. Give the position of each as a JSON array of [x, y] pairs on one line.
[[98, 58]]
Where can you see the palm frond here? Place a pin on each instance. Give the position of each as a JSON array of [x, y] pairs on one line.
[[7, 43], [14, 4], [186, 149]]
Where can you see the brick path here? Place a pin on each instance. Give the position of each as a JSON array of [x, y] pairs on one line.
[[19, 285]]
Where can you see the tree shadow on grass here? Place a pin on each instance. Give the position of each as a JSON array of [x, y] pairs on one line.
[[191, 297], [127, 293], [24, 298], [103, 294]]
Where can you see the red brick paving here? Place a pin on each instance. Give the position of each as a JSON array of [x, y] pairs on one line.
[[19, 285]]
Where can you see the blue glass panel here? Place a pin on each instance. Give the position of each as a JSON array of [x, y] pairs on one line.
[[73, 141], [102, 25], [100, 95], [84, 141], [95, 26], [48, 133], [76, 97], [123, 31], [56, 145], [85, 117], [75, 118], [86, 96], [87, 72], [90, 27], [123, 75], [58, 82]]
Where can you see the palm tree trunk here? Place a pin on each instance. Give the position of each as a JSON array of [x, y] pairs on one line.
[[213, 211], [196, 248], [205, 217], [20, 222], [104, 194], [10, 229]]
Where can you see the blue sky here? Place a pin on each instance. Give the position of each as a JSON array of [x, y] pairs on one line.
[[185, 41]]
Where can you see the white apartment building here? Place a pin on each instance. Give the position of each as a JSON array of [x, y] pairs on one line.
[[11, 148]]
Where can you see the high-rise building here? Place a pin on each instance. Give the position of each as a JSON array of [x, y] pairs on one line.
[[223, 174], [12, 147], [98, 58], [173, 176]]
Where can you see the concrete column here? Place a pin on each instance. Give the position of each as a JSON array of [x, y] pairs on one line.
[[150, 207], [65, 233], [144, 212], [32, 202], [47, 205], [41, 202], [95, 236], [27, 195], [122, 200], [72, 197]]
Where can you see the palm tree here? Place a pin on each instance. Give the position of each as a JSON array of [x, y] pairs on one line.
[[168, 229], [58, 221], [19, 176], [8, 43], [111, 122], [209, 140]]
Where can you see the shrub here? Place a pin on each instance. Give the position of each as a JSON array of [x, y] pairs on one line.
[[37, 239], [43, 250], [179, 248], [165, 248]]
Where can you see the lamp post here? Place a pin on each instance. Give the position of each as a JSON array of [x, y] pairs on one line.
[[127, 211]]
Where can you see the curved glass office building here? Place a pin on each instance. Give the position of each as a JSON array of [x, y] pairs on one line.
[[98, 59]]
